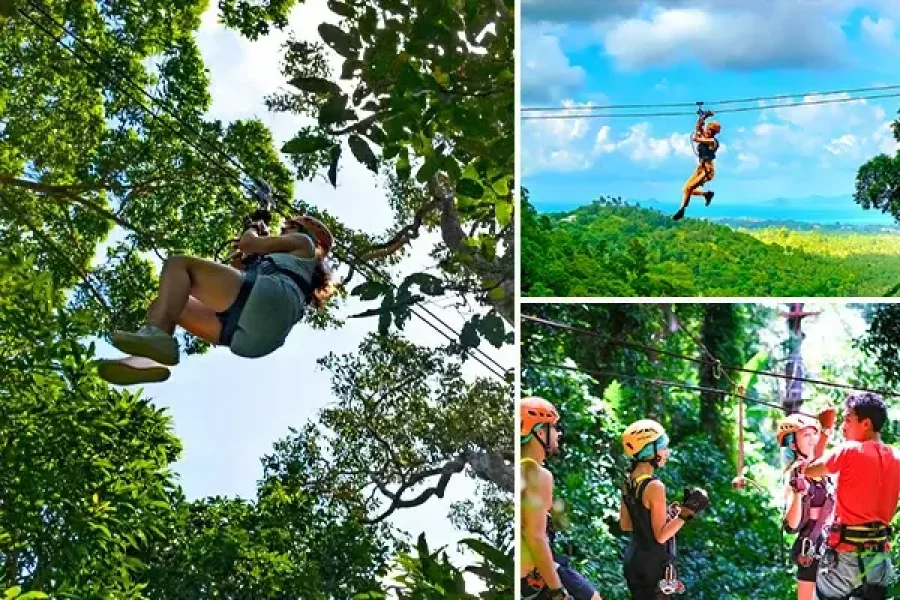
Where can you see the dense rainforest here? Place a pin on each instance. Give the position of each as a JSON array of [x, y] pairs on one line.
[[627, 361], [611, 249], [110, 163]]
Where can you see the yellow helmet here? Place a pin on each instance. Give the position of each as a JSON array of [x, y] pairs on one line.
[[643, 439], [794, 423]]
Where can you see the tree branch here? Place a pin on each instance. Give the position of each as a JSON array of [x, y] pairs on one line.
[[402, 237], [53, 191], [446, 472]]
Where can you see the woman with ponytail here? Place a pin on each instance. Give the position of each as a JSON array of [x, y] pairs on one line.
[[249, 307], [650, 556], [809, 501]]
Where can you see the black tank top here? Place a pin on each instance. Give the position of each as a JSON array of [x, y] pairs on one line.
[[707, 151], [641, 526]]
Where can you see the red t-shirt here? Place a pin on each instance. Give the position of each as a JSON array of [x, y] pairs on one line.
[[868, 485]]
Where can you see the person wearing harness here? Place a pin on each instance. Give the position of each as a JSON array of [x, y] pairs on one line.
[[649, 561], [250, 308], [545, 574], [809, 500], [707, 145], [857, 563]]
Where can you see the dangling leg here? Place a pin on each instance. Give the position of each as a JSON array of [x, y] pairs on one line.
[[214, 287], [197, 318], [692, 184]]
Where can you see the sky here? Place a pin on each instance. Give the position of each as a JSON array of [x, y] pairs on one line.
[[583, 52], [228, 411]]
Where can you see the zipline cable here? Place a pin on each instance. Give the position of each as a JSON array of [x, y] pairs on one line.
[[588, 115], [634, 345], [477, 353], [657, 382], [714, 102]]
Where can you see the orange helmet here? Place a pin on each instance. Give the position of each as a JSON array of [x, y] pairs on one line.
[[534, 412], [317, 228], [714, 126], [794, 423]]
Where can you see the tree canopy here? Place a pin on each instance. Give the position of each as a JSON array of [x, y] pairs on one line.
[[627, 366], [108, 157]]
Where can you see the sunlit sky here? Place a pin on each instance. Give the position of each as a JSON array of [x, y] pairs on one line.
[[580, 52]]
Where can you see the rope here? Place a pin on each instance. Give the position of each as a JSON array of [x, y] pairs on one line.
[[589, 115], [662, 351], [721, 102], [477, 353], [657, 382]]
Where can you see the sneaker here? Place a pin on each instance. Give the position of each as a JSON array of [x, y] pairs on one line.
[[149, 342], [708, 196], [131, 371], [679, 215]]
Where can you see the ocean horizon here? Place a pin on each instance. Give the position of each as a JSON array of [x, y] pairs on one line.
[[769, 210]]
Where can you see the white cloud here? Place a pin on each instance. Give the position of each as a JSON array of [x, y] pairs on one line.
[[640, 145], [783, 35], [881, 32], [557, 144], [547, 75]]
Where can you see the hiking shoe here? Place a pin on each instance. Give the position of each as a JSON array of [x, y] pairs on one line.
[[679, 215], [149, 342], [131, 371], [708, 196]]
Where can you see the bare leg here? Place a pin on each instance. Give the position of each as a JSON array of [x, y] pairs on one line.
[[214, 285], [201, 321], [805, 590]]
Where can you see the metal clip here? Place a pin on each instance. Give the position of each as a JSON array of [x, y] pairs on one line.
[[807, 554]]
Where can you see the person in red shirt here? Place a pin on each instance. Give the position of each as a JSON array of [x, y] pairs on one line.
[[857, 563]]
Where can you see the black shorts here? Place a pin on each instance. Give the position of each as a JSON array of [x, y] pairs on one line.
[[808, 573], [576, 584]]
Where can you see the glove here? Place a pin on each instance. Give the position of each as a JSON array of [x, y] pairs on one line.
[[695, 499], [798, 482], [826, 418]]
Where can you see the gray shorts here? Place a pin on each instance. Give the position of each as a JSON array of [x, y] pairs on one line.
[[262, 324], [847, 574]]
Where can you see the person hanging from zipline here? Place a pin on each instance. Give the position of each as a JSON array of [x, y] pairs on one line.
[[707, 145], [250, 307], [857, 562], [809, 501], [649, 561], [545, 575]]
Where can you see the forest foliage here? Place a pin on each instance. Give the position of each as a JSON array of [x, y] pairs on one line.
[[104, 128], [614, 250], [734, 550]]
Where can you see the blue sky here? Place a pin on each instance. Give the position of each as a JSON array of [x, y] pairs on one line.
[[579, 52], [227, 410]]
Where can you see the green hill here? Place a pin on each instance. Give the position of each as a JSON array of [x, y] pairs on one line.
[[619, 251]]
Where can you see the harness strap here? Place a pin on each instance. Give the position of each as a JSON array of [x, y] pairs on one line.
[[306, 287], [229, 318]]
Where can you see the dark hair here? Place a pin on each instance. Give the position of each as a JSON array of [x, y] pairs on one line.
[[866, 405], [323, 287]]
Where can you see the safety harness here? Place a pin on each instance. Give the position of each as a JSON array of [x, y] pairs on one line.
[[703, 151], [811, 544], [230, 317]]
